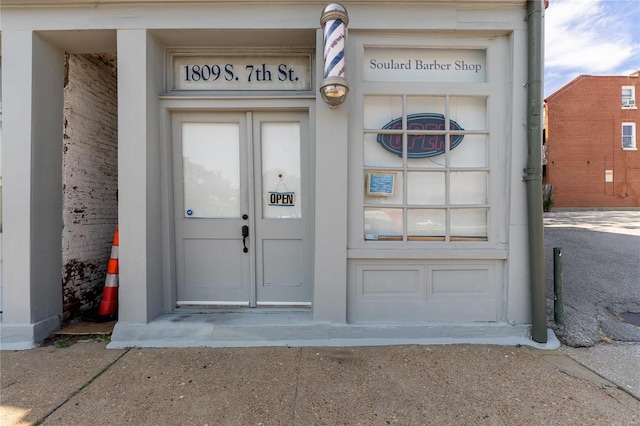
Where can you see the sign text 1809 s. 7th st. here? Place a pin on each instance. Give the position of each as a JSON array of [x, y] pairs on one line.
[[241, 72]]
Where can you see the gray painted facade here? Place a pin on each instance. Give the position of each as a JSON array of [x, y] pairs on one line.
[[442, 256]]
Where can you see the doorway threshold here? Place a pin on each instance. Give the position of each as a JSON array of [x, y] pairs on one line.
[[261, 309], [243, 316], [235, 327]]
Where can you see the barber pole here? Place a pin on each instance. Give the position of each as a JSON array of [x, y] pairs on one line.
[[334, 34], [334, 87]]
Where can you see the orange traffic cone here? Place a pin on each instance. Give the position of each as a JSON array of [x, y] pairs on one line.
[[109, 301]]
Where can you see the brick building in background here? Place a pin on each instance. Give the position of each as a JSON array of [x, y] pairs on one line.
[[592, 157]]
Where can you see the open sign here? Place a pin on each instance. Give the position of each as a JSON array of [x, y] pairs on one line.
[[420, 146], [284, 199]]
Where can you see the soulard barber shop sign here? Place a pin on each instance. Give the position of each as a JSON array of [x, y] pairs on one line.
[[424, 65], [192, 71]]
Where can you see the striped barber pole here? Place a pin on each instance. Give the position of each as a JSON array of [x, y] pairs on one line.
[[334, 86], [334, 34]]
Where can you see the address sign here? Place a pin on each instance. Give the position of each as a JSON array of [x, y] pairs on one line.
[[232, 72]]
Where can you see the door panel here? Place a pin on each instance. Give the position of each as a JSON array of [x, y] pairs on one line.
[[283, 260], [281, 153], [209, 264], [211, 187], [233, 170]]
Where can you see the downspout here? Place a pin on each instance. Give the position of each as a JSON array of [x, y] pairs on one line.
[[533, 171]]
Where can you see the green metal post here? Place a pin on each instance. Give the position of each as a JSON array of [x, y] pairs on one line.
[[558, 304], [533, 172]]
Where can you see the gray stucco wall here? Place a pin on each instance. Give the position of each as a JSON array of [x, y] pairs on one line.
[[35, 39]]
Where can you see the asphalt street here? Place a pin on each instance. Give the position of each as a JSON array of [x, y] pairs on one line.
[[601, 275]]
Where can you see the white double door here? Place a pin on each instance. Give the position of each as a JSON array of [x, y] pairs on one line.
[[241, 197]]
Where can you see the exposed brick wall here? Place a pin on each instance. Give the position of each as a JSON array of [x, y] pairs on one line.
[[584, 138], [90, 178]]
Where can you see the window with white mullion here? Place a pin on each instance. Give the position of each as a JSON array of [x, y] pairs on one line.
[[629, 136], [437, 186], [628, 97]]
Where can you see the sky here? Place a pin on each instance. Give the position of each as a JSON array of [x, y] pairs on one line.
[[590, 37]]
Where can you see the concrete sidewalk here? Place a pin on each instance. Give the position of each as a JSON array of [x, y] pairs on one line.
[[86, 384]]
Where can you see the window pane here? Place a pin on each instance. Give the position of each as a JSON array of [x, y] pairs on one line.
[[468, 222], [471, 152], [380, 110], [468, 188], [435, 162], [469, 112], [425, 104], [381, 222], [211, 169], [281, 192], [419, 64], [376, 156], [426, 188], [628, 136], [426, 222], [420, 145], [385, 198]]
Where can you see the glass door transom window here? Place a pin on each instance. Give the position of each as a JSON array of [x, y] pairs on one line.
[[426, 168]]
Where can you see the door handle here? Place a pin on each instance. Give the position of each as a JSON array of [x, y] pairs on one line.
[[245, 234]]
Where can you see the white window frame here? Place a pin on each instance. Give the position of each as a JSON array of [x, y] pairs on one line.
[[494, 89], [629, 101], [633, 146]]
